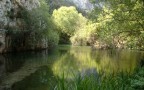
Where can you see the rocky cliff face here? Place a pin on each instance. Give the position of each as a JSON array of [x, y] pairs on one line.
[[9, 17], [83, 5], [11, 20], [9, 10]]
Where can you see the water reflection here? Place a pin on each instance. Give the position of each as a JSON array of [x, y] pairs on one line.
[[42, 79], [85, 61], [39, 70], [18, 66]]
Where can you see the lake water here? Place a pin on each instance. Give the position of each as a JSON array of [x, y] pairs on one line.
[[40, 70]]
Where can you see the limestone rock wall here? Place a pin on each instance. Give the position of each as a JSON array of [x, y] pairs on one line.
[[82, 5], [9, 10]]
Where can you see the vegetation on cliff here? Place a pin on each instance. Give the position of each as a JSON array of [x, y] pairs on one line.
[[35, 29], [111, 24]]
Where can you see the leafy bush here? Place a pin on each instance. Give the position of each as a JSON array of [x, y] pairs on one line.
[[84, 35], [67, 19], [53, 39]]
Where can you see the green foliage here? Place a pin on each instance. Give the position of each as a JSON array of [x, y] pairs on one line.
[[112, 24], [120, 23], [115, 25], [75, 25], [137, 81], [84, 35], [67, 19], [43, 25], [36, 30], [69, 22], [64, 38], [53, 38], [102, 82]]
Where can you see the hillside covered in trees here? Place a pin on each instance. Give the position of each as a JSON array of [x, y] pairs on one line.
[[30, 25]]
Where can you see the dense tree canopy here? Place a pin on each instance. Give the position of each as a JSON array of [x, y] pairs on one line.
[[111, 24], [67, 19], [121, 23]]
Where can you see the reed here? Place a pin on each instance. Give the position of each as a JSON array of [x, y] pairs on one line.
[[120, 81]]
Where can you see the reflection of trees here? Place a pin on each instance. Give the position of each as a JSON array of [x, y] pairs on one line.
[[77, 60], [40, 80], [84, 60], [2, 67], [113, 61], [19, 66], [65, 65]]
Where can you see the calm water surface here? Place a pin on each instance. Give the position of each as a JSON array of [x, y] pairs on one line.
[[40, 70]]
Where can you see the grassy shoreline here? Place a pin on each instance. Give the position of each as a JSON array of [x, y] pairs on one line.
[[120, 81]]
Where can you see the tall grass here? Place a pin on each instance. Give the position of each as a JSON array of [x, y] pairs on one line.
[[120, 81]]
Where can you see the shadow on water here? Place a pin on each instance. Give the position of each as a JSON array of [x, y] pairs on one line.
[[39, 70], [17, 66], [42, 79]]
